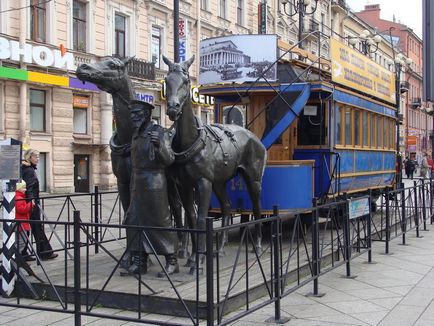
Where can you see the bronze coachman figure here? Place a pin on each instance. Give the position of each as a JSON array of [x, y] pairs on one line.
[[151, 153]]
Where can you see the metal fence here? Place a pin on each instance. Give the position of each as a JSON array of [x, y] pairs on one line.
[[298, 248]]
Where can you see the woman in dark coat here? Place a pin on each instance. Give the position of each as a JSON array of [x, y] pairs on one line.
[[43, 247]]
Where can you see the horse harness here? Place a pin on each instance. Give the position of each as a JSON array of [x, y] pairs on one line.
[[206, 131]]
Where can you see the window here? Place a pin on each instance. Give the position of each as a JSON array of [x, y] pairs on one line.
[[322, 22], [204, 116], [311, 128], [348, 127], [365, 128], [391, 134], [240, 12], [222, 13], [357, 128], [120, 35], [385, 133], [37, 110], [41, 171], [379, 132], [156, 46], [79, 26], [80, 121], [372, 126], [156, 114], [338, 126], [38, 14], [204, 4]]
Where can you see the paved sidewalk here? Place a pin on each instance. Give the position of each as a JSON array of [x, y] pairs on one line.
[[397, 289]]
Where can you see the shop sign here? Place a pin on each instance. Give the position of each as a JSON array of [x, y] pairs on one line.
[[355, 70], [196, 97], [81, 102], [182, 32], [39, 55], [145, 97], [411, 140]]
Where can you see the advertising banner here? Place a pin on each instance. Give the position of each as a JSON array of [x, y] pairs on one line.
[[353, 69], [182, 31], [238, 58]]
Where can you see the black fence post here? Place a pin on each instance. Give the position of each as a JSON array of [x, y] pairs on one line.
[[96, 217], [403, 217], [315, 247], [209, 271], [431, 192], [388, 220], [369, 230], [416, 209], [347, 237], [424, 205], [77, 275]]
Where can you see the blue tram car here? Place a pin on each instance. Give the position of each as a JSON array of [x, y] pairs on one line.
[[324, 138]]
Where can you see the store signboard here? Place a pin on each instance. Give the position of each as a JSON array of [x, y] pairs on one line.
[[353, 69]]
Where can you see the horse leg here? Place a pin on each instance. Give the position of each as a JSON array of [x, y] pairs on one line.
[[176, 210], [187, 200], [254, 189], [220, 191], [203, 195]]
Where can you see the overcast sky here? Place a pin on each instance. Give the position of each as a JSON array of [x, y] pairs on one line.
[[408, 12]]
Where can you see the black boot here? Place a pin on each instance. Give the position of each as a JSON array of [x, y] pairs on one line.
[[171, 267], [139, 265]]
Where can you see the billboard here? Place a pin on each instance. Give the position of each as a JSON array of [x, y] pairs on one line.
[[238, 58], [353, 69]]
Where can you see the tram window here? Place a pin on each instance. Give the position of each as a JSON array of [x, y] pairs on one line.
[[386, 133], [357, 128], [372, 126], [379, 132], [311, 128], [234, 114], [338, 126], [391, 134], [365, 128], [348, 127]]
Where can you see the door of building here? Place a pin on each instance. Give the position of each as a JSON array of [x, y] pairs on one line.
[[81, 173]]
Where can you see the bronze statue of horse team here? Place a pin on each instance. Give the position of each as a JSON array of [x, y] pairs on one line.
[[207, 156]]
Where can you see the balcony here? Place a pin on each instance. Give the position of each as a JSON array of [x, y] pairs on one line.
[[141, 69], [339, 6], [310, 27], [404, 87], [416, 102]]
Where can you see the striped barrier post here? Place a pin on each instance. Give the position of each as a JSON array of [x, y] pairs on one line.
[[10, 173], [9, 245]]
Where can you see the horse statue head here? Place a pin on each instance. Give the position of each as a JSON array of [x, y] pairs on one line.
[[108, 75], [177, 86]]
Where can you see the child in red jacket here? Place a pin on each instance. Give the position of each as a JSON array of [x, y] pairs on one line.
[[22, 212]]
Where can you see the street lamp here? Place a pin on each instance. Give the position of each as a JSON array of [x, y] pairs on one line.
[[368, 41], [400, 62], [300, 8]]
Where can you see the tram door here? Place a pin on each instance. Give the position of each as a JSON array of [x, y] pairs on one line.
[[263, 117], [81, 173]]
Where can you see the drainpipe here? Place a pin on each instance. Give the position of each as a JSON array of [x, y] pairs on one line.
[[23, 134]]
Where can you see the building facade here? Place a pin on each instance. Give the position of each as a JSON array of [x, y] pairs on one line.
[[70, 123]]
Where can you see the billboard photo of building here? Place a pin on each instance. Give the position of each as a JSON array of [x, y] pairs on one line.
[[237, 58]]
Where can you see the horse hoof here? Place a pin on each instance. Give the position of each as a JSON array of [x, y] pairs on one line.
[[196, 271], [222, 253], [183, 254], [258, 250], [190, 263]]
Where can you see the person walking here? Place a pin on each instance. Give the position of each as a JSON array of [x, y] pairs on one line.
[[410, 166], [23, 209], [424, 166], [29, 166]]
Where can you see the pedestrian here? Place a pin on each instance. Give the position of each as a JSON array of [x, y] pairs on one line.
[[23, 209], [424, 166], [407, 172], [410, 166], [151, 153], [29, 166]]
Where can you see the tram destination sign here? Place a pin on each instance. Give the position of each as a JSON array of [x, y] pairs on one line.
[[353, 69]]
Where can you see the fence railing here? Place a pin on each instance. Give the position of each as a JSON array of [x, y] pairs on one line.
[[298, 248]]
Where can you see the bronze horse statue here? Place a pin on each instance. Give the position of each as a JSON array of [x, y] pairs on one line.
[[111, 75], [207, 156]]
